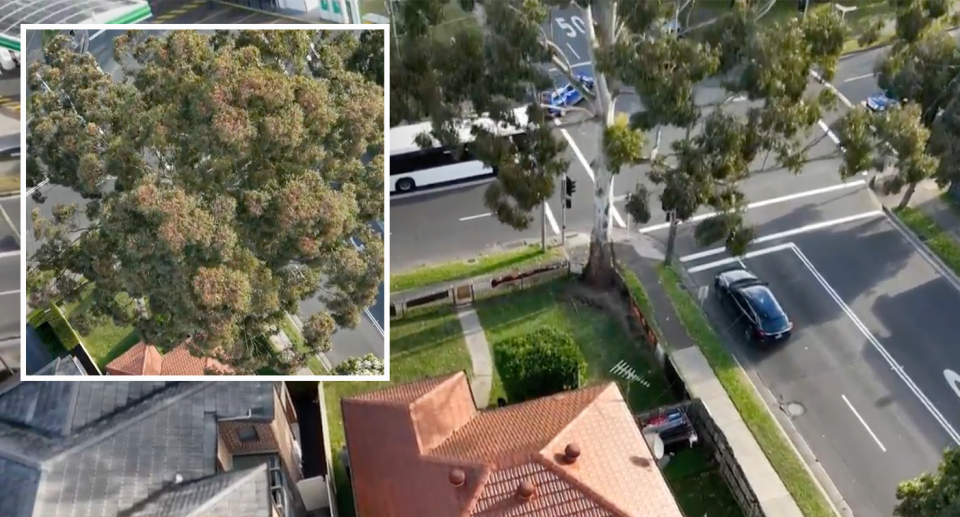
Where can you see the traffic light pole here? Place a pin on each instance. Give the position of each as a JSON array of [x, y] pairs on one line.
[[563, 211]]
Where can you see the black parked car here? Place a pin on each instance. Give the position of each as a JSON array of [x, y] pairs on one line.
[[753, 302]]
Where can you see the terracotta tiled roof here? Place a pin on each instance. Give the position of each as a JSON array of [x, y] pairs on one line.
[[143, 359], [140, 359], [423, 450]]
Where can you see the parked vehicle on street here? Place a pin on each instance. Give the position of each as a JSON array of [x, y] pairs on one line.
[[566, 96], [880, 102], [752, 302]]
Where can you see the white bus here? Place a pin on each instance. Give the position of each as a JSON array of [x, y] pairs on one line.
[[412, 167]]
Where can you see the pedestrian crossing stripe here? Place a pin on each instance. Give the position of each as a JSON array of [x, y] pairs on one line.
[[9, 104], [179, 11]]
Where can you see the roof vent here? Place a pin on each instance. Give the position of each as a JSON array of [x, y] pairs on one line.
[[458, 477], [177, 479], [571, 453], [526, 490]]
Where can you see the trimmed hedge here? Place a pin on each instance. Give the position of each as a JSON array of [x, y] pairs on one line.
[[540, 363]]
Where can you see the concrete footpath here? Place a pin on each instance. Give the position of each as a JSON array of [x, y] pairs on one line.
[[481, 382], [643, 257]]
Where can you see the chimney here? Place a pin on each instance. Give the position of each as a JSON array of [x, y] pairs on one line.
[[526, 490], [458, 477], [571, 453]]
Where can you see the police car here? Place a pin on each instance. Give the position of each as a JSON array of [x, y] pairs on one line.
[[879, 102], [566, 96]]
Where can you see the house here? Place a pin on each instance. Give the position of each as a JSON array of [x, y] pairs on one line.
[[144, 359], [138, 449], [422, 449]]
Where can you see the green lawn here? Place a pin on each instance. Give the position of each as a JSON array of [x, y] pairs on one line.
[[944, 244], [424, 346], [483, 265], [699, 486], [753, 410], [602, 338], [105, 342], [455, 19]]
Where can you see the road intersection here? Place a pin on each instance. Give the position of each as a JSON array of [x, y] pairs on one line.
[[870, 379]]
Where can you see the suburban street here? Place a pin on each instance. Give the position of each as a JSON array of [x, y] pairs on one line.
[[367, 338], [203, 11], [869, 378]]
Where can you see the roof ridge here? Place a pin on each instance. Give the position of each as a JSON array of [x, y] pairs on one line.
[[602, 501], [28, 461], [84, 441], [600, 388], [259, 469]]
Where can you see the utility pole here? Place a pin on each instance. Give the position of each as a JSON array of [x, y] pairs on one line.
[[543, 225]]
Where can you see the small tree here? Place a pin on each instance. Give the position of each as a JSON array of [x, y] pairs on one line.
[[538, 364], [365, 365], [934, 494]]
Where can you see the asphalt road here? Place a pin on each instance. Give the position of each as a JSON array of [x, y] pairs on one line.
[[861, 299], [367, 338], [202, 11]]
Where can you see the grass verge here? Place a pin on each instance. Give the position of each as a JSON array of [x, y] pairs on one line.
[[480, 266], [943, 244], [296, 337], [781, 454], [105, 342], [424, 346]]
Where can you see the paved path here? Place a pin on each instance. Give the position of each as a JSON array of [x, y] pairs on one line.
[[479, 355]]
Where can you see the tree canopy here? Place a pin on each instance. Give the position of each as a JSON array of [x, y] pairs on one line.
[[364, 365], [224, 176], [919, 136], [933, 494], [506, 63]]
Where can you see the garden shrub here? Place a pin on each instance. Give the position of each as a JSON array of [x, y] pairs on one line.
[[541, 363]]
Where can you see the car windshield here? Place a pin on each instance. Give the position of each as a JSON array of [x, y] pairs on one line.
[[772, 317]]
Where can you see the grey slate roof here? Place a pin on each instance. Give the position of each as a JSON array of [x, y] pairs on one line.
[[236, 494], [100, 449]]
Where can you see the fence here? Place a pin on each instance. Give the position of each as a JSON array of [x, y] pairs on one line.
[[68, 337], [479, 288], [706, 428]]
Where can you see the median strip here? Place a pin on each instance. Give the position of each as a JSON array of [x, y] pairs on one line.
[[783, 457], [941, 243]]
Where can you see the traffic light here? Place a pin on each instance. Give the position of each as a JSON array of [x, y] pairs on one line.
[[571, 185]]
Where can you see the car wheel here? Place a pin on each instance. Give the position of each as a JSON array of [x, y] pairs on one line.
[[405, 185]]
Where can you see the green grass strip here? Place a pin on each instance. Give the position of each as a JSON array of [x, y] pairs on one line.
[[943, 244], [483, 265], [753, 410]]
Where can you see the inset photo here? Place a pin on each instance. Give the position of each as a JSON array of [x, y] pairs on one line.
[[204, 201]]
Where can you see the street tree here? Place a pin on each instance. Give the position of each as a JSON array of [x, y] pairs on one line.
[[923, 71], [223, 182], [493, 70], [933, 494], [365, 365], [945, 143], [897, 137]]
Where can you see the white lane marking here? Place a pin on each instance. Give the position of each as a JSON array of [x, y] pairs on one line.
[[879, 348], [575, 65], [614, 213], [864, 422], [731, 260], [39, 185], [98, 33], [15, 155], [826, 129], [765, 202], [953, 379], [574, 52], [789, 233], [8, 293], [478, 216], [434, 190], [7, 254], [832, 88], [857, 78], [552, 220]]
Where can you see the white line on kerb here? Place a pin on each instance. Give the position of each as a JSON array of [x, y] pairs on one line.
[[857, 78], [782, 235], [765, 202], [8, 293], [864, 422], [749, 254], [614, 213], [826, 129], [478, 216], [7, 254], [879, 348]]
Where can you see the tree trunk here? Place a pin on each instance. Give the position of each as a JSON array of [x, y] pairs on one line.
[[656, 146], [911, 188], [600, 269], [671, 239]]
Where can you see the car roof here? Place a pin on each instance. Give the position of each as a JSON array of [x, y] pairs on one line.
[[762, 300], [732, 276]]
